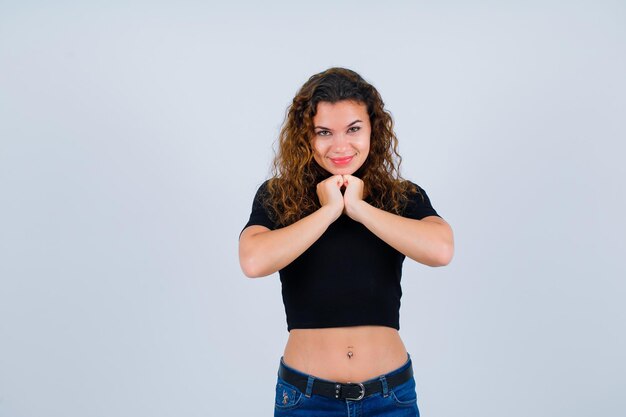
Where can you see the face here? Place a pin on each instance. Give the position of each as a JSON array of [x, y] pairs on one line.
[[341, 141]]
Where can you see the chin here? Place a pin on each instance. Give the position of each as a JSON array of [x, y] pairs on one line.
[[342, 171]]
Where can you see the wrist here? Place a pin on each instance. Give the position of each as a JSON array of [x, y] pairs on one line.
[[356, 210], [331, 212]]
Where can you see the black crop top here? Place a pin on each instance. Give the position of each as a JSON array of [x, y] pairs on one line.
[[348, 277]]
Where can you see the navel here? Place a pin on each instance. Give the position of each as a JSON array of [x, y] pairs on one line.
[[350, 353]]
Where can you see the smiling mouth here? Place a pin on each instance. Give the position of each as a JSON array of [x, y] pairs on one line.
[[343, 160]]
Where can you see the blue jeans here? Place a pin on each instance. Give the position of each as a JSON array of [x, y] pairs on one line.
[[398, 401]]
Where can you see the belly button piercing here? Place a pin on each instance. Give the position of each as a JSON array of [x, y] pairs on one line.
[[350, 354]]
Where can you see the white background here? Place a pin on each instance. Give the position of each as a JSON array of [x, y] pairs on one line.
[[133, 136]]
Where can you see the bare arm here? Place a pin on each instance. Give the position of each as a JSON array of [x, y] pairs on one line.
[[263, 251], [428, 241]]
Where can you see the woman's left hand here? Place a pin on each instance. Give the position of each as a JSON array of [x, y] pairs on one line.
[[353, 195], [428, 241]]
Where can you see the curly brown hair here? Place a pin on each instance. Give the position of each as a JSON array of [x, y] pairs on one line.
[[292, 189]]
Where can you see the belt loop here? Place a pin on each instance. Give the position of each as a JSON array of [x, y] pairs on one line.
[[383, 381], [309, 386]]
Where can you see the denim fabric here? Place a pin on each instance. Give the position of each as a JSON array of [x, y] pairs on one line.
[[398, 401]]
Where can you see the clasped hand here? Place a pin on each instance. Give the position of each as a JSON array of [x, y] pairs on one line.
[[329, 194]]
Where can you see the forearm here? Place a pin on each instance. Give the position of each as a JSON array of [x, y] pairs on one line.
[[263, 252], [429, 241]]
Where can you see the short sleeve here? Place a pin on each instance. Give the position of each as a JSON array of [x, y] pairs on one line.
[[260, 215], [419, 205]]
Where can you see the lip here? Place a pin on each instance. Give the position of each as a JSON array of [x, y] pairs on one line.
[[344, 160]]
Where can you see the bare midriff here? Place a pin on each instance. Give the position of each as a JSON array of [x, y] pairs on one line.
[[345, 354]]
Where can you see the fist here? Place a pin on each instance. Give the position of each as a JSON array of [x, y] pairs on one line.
[[353, 196], [329, 192]]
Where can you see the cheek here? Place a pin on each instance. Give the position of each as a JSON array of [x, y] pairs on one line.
[[317, 148], [367, 146]]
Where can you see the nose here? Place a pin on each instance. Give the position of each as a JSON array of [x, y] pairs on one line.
[[340, 143]]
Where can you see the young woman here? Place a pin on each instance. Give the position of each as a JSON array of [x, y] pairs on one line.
[[337, 220]]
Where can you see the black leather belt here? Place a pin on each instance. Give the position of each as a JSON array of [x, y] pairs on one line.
[[350, 391]]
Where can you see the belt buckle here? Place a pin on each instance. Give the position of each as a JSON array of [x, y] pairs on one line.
[[362, 394]]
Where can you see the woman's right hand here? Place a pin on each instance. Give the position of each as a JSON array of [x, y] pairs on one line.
[[263, 251], [329, 194]]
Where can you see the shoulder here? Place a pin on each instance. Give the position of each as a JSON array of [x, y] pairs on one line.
[[264, 191], [262, 214], [418, 203], [413, 190], [263, 188], [271, 184]]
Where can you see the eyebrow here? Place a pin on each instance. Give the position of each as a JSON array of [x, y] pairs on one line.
[[326, 128]]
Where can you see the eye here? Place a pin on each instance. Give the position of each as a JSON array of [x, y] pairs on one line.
[[323, 133], [354, 129]]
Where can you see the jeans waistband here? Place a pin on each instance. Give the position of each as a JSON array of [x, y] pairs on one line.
[[309, 384]]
